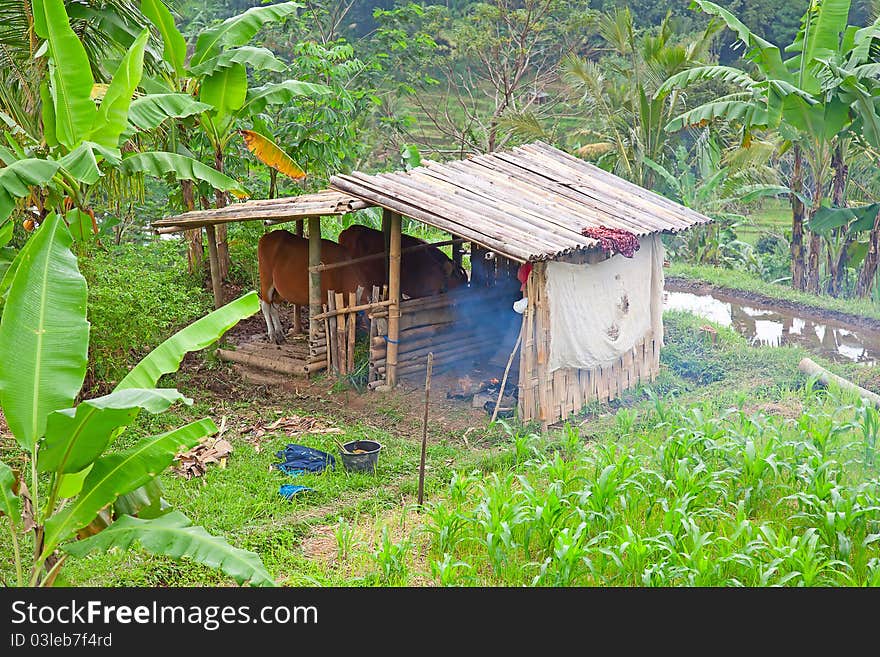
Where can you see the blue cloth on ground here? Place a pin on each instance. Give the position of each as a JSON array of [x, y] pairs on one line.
[[298, 460], [305, 459], [289, 490]]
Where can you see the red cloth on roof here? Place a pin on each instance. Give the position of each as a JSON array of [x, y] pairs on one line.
[[614, 239]]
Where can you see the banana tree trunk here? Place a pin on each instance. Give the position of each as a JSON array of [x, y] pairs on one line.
[[797, 222], [837, 266], [195, 250], [813, 262], [869, 266], [220, 201]]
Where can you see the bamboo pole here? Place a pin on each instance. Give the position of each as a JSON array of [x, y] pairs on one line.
[[314, 277], [506, 371], [357, 308], [811, 368], [376, 256], [352, 321], [282, 366], [425, 432], [327, 337], [394, 297], [340, 334], [214, 259], [333, 346]]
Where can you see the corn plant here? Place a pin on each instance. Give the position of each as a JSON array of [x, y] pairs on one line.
[[447, 572], [391, 559], [344, 534]]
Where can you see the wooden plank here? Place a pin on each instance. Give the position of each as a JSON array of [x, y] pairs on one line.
[[350, 328]]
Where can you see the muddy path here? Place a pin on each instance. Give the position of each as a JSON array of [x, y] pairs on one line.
[[764, 302]]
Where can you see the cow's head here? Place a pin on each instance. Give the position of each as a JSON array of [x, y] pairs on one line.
[[454, 275]]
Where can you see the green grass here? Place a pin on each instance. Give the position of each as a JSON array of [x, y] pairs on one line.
[[739, 280]]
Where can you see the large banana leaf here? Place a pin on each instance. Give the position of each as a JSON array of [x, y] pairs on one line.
[[77, 436], [112, 118], [735, 109], [6, 227], [143, 502], [44, 335], [226, 90], [82, 162], [148, 112], [762, 52], [260, 59], [203, 332], [10, 505], [70, 73], [160, 164], [270, 154], [119, 473], [238, 30], [48, 115], [280, 93], [17, 179], [174, 51], [174, 535], [859, 218], [696, 74]]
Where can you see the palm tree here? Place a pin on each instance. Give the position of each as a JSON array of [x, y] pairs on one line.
[[621, 95]]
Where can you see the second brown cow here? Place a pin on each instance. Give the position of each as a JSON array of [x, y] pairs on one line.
[[423, 273]]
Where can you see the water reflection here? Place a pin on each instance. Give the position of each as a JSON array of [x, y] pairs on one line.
[[776, 327]]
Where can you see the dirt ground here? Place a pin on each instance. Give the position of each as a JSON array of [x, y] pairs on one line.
[[401, 410], [677, 284]]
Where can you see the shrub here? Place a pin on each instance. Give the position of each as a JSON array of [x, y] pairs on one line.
[[138, 296]]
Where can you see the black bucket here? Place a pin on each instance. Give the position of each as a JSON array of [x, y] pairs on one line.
[[365, 462]]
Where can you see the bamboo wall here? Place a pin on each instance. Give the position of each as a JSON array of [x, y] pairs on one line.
[[458, 327], [550, 397]]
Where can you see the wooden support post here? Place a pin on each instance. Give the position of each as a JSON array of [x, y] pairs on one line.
[[386, 233], [394, 298], [315, 330], [213, 257], [456, 253], [300, 224]]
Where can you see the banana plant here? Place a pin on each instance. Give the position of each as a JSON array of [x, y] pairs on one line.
[[217, 74], [784, 94], [85, 126], [79, 492]]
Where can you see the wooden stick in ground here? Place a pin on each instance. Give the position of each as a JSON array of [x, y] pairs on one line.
[[425, 432], [340, 334], [506, 371], [214, 260], [351, 327], [332, 346], [327, 337], [810, 367]]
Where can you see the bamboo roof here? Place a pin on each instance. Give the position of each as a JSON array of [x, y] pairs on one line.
[[276, 210], [529, 203]]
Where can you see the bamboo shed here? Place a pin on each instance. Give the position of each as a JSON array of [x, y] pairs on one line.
[[592, 324]]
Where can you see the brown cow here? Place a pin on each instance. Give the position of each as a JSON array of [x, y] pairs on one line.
[[422, 273], [284, 274]]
